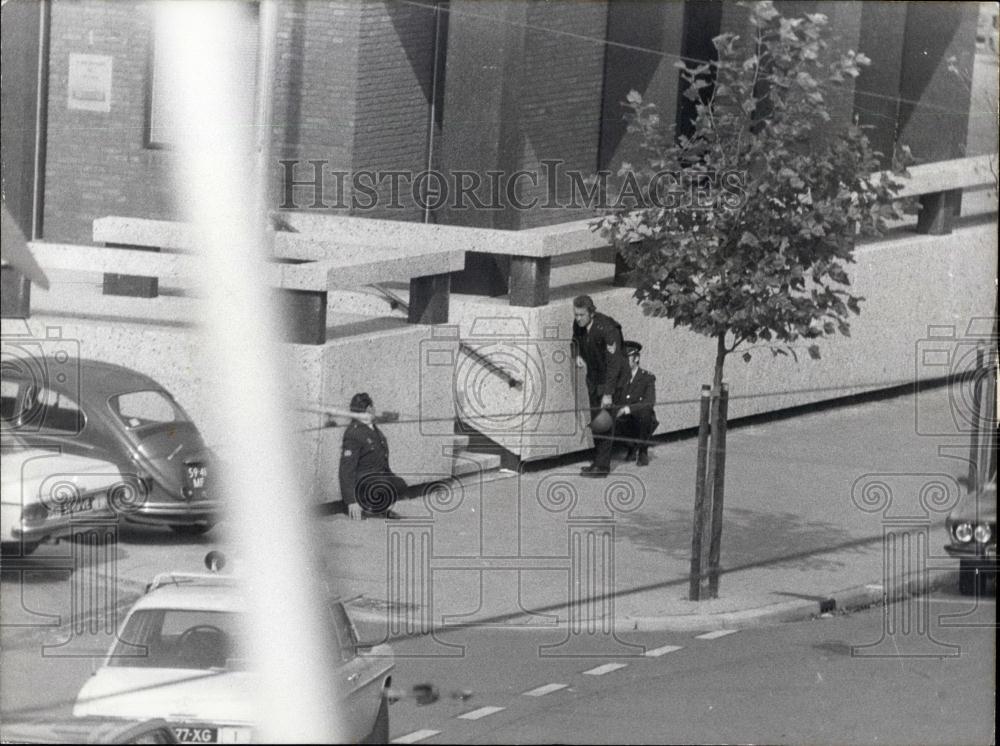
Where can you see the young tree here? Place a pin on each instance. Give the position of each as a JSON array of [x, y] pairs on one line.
[[742, 230]]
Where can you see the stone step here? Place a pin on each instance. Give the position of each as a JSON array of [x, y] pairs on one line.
[[469, 462]]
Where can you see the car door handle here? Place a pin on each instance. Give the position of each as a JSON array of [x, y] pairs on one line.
[[354, 676]]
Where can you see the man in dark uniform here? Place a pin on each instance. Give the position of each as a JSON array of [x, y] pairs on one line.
[[635, 418], [597, 341], [367, 484]]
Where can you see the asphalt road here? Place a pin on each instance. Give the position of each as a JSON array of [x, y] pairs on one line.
[[806, 682]]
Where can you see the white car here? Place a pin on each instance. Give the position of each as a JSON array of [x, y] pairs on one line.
[[46, 494], [176, 659]]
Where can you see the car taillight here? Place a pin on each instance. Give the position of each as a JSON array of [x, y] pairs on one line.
[[34, 512], [982, 533], [963, 532]]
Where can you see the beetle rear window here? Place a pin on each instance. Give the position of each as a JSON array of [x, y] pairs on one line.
[[140, 408]]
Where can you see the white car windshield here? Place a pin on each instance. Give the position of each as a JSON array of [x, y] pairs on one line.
[[178, 638]]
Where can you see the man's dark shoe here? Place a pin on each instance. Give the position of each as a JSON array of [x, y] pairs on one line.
[[643, 459], [630, 455], [594, 472]]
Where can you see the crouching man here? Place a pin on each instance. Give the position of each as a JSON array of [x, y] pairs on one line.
[[635, 419]]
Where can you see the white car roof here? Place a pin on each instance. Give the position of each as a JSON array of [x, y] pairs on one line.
[[196, 592]]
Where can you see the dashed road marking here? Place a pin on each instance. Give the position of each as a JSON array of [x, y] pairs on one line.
[[657, 652], [543, 690], [417, 735], [481, 712], [606, 668], [716, 634]]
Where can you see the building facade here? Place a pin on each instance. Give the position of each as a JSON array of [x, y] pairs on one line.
[[503, 86]]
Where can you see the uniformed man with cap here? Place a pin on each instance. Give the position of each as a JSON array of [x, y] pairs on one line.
[[635, 419], [367, 484]]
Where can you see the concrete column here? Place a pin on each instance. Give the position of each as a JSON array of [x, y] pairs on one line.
[[481, 121], [934, 102], [876, 90], [15, 299], [21, 31], [639, 26], [429, 298], [529, 280], [304, 314], [938, 212], [133, 285]]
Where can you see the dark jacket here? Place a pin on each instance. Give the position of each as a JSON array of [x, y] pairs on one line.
[[604, 368], [364, 451], [639, 393]]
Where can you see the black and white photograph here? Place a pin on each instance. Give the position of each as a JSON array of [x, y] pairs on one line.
[[499, 371]]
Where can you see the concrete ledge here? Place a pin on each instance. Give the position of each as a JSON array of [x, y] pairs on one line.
[[943, 176], [120, 261], [164, 234], [406, 235]]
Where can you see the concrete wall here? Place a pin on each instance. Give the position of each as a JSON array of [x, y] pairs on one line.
[[910, 283], [157, 337]]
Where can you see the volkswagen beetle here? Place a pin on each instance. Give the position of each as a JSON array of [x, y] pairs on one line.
[[99, 410]]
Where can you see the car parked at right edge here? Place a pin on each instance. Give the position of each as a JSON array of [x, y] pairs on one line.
[[972, 531]]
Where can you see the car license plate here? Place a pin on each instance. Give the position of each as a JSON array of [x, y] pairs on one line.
[[194, 734], [195, 476], [203, 734], [83, 504]]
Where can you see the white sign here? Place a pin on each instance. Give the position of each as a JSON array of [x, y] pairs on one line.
[[90, 82]]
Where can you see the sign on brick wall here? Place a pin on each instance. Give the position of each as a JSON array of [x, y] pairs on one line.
[[90, 82]]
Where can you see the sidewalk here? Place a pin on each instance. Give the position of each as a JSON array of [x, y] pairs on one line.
[[802, 534], [543, 548]]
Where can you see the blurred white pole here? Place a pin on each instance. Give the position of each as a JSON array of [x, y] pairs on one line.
[[210, 94], [264, 108]]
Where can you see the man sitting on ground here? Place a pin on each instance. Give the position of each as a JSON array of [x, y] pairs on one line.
[[367, 485]]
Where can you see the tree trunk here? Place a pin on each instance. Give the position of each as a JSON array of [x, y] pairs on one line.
[[720, 361]]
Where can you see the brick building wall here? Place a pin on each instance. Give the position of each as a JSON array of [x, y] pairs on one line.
[[561, 100], [394, 83], [315, 102], [528, 82], [97, 163]]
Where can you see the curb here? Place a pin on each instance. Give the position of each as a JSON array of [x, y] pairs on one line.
[[848, 599]]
